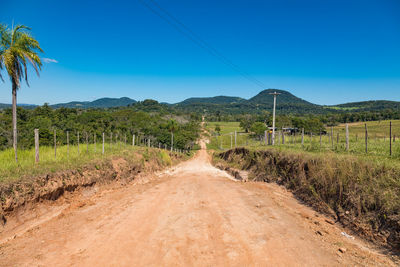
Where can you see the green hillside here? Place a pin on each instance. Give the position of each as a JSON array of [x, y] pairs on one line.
[[285, 97], [372, 105], [99, 103], [212, 100]]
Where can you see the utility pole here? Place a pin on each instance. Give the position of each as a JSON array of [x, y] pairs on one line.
[[273, 117]]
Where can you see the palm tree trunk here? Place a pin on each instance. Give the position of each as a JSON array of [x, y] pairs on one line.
[[14, 118]]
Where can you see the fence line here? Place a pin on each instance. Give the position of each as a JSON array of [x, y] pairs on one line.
[[148, 142], [337, 139]]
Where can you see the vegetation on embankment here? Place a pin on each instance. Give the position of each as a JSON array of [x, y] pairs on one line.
[[362, 195], [66, 159], [123, 165]]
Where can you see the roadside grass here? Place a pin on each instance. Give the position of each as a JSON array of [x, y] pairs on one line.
[[91, 154]]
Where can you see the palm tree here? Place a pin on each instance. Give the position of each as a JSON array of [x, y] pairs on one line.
[[17, 49]]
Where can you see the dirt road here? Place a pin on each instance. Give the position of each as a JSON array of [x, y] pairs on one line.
[[192, 215]]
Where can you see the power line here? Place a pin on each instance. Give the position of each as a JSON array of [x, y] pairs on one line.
[[186, 31]]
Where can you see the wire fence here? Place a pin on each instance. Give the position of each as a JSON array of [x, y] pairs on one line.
[[359, 139], [72, 144]]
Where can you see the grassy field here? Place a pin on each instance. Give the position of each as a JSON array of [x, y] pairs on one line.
[[26, 166], [378, 139]]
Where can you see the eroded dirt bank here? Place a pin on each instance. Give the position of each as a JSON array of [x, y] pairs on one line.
[[19, 198], [191, 215], [362, 196]]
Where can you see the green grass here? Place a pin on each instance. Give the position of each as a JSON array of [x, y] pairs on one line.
[[26, 166], [378, 141], [380, 129]]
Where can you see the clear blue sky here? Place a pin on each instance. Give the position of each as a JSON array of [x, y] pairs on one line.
[[326, 52]]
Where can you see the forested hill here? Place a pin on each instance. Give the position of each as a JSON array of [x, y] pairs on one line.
[[212, 100], [99, 103], [373, 105], [286, 103], [284, 97]]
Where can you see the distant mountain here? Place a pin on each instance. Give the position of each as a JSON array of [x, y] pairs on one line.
[[368, 105], [28, 106], [287, 103], [265, 97], [99, 103], [212, 100]]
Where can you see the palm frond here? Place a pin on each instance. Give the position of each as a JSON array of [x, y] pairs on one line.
[[18, 49]]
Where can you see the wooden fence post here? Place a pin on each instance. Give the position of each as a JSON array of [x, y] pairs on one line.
[[36, 145], [283, 137], [231, 140], [172, 141], [94, 140], [67, 143], [265, 137], [55, 144], [87, 142], [311, 135], [320, 139], [294, 137], [347, 137], [332, 136], [337, 141], [103, 145], [269, 138], [133, 140], [116, 140], [125, 140], [111, 139], [366, 139], [390, 137], [235, 138], [302, 137], [78, 142]]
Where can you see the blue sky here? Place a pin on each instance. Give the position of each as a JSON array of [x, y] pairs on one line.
[[326, 52]]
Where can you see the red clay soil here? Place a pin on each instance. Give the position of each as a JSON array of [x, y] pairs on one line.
[[191, 215]]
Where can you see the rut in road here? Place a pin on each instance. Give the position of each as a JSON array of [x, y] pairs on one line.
[[191, 215]]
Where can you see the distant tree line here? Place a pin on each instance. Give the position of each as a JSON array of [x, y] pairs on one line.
[[154, 125], [310, 122]]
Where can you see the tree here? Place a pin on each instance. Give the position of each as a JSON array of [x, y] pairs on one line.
[[218, 129], [258, 128], [17, 49], [246, 121]]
